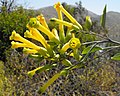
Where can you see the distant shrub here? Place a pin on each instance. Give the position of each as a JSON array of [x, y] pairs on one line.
[[15, 20]]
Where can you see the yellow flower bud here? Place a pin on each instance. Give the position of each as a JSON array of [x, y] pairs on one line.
[[54, 31], [88, 23]]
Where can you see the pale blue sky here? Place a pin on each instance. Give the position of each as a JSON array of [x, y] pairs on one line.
[[95, 6]]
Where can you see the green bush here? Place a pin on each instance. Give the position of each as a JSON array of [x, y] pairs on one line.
[[15, 20]]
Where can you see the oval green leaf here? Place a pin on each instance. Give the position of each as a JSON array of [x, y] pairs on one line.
[[40, 69], [86, 50], [50, 81], [66, 62], [116, 57]]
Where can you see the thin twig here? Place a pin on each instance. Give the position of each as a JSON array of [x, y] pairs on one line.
[[98, 42], [109, 49], [111, 40]]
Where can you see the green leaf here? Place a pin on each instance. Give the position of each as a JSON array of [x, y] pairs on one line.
[[65, 71], [50, 81], [103, 17], [86, 50], [66, 62], [37, 56], [32, 72], [116, 57], [40, 69], [79, 65], [46, 67]]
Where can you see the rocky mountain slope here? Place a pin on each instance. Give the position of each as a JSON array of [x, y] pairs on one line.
[[113, 25], [50, 12]]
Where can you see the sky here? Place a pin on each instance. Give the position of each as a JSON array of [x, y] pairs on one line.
[[95, 6]]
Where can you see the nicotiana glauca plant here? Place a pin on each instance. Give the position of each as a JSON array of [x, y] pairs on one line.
[[60, 44]]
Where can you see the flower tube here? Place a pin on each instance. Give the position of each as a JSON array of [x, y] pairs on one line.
[[68, 15], [15, 36], [35, 34], [17, 45], [29, 35], [29, 51], [65, 23], [61, 27], [64, 48], [35, 23], [41, 50], [54, 31], [42, 20]]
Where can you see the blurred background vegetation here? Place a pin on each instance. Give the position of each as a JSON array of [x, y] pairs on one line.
[[100, 77]]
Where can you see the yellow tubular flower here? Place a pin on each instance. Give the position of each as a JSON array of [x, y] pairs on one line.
[[29, 35], [35, 33], [54, 31], [65, 47], [74, 43], [34, 23], [15, 36], [41, 50], [42, 20], [65, 23], [68, 15], [17, 45], [29, 51], [61, 27]]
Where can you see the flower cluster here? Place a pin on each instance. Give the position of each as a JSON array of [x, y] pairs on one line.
[[62, 40]]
